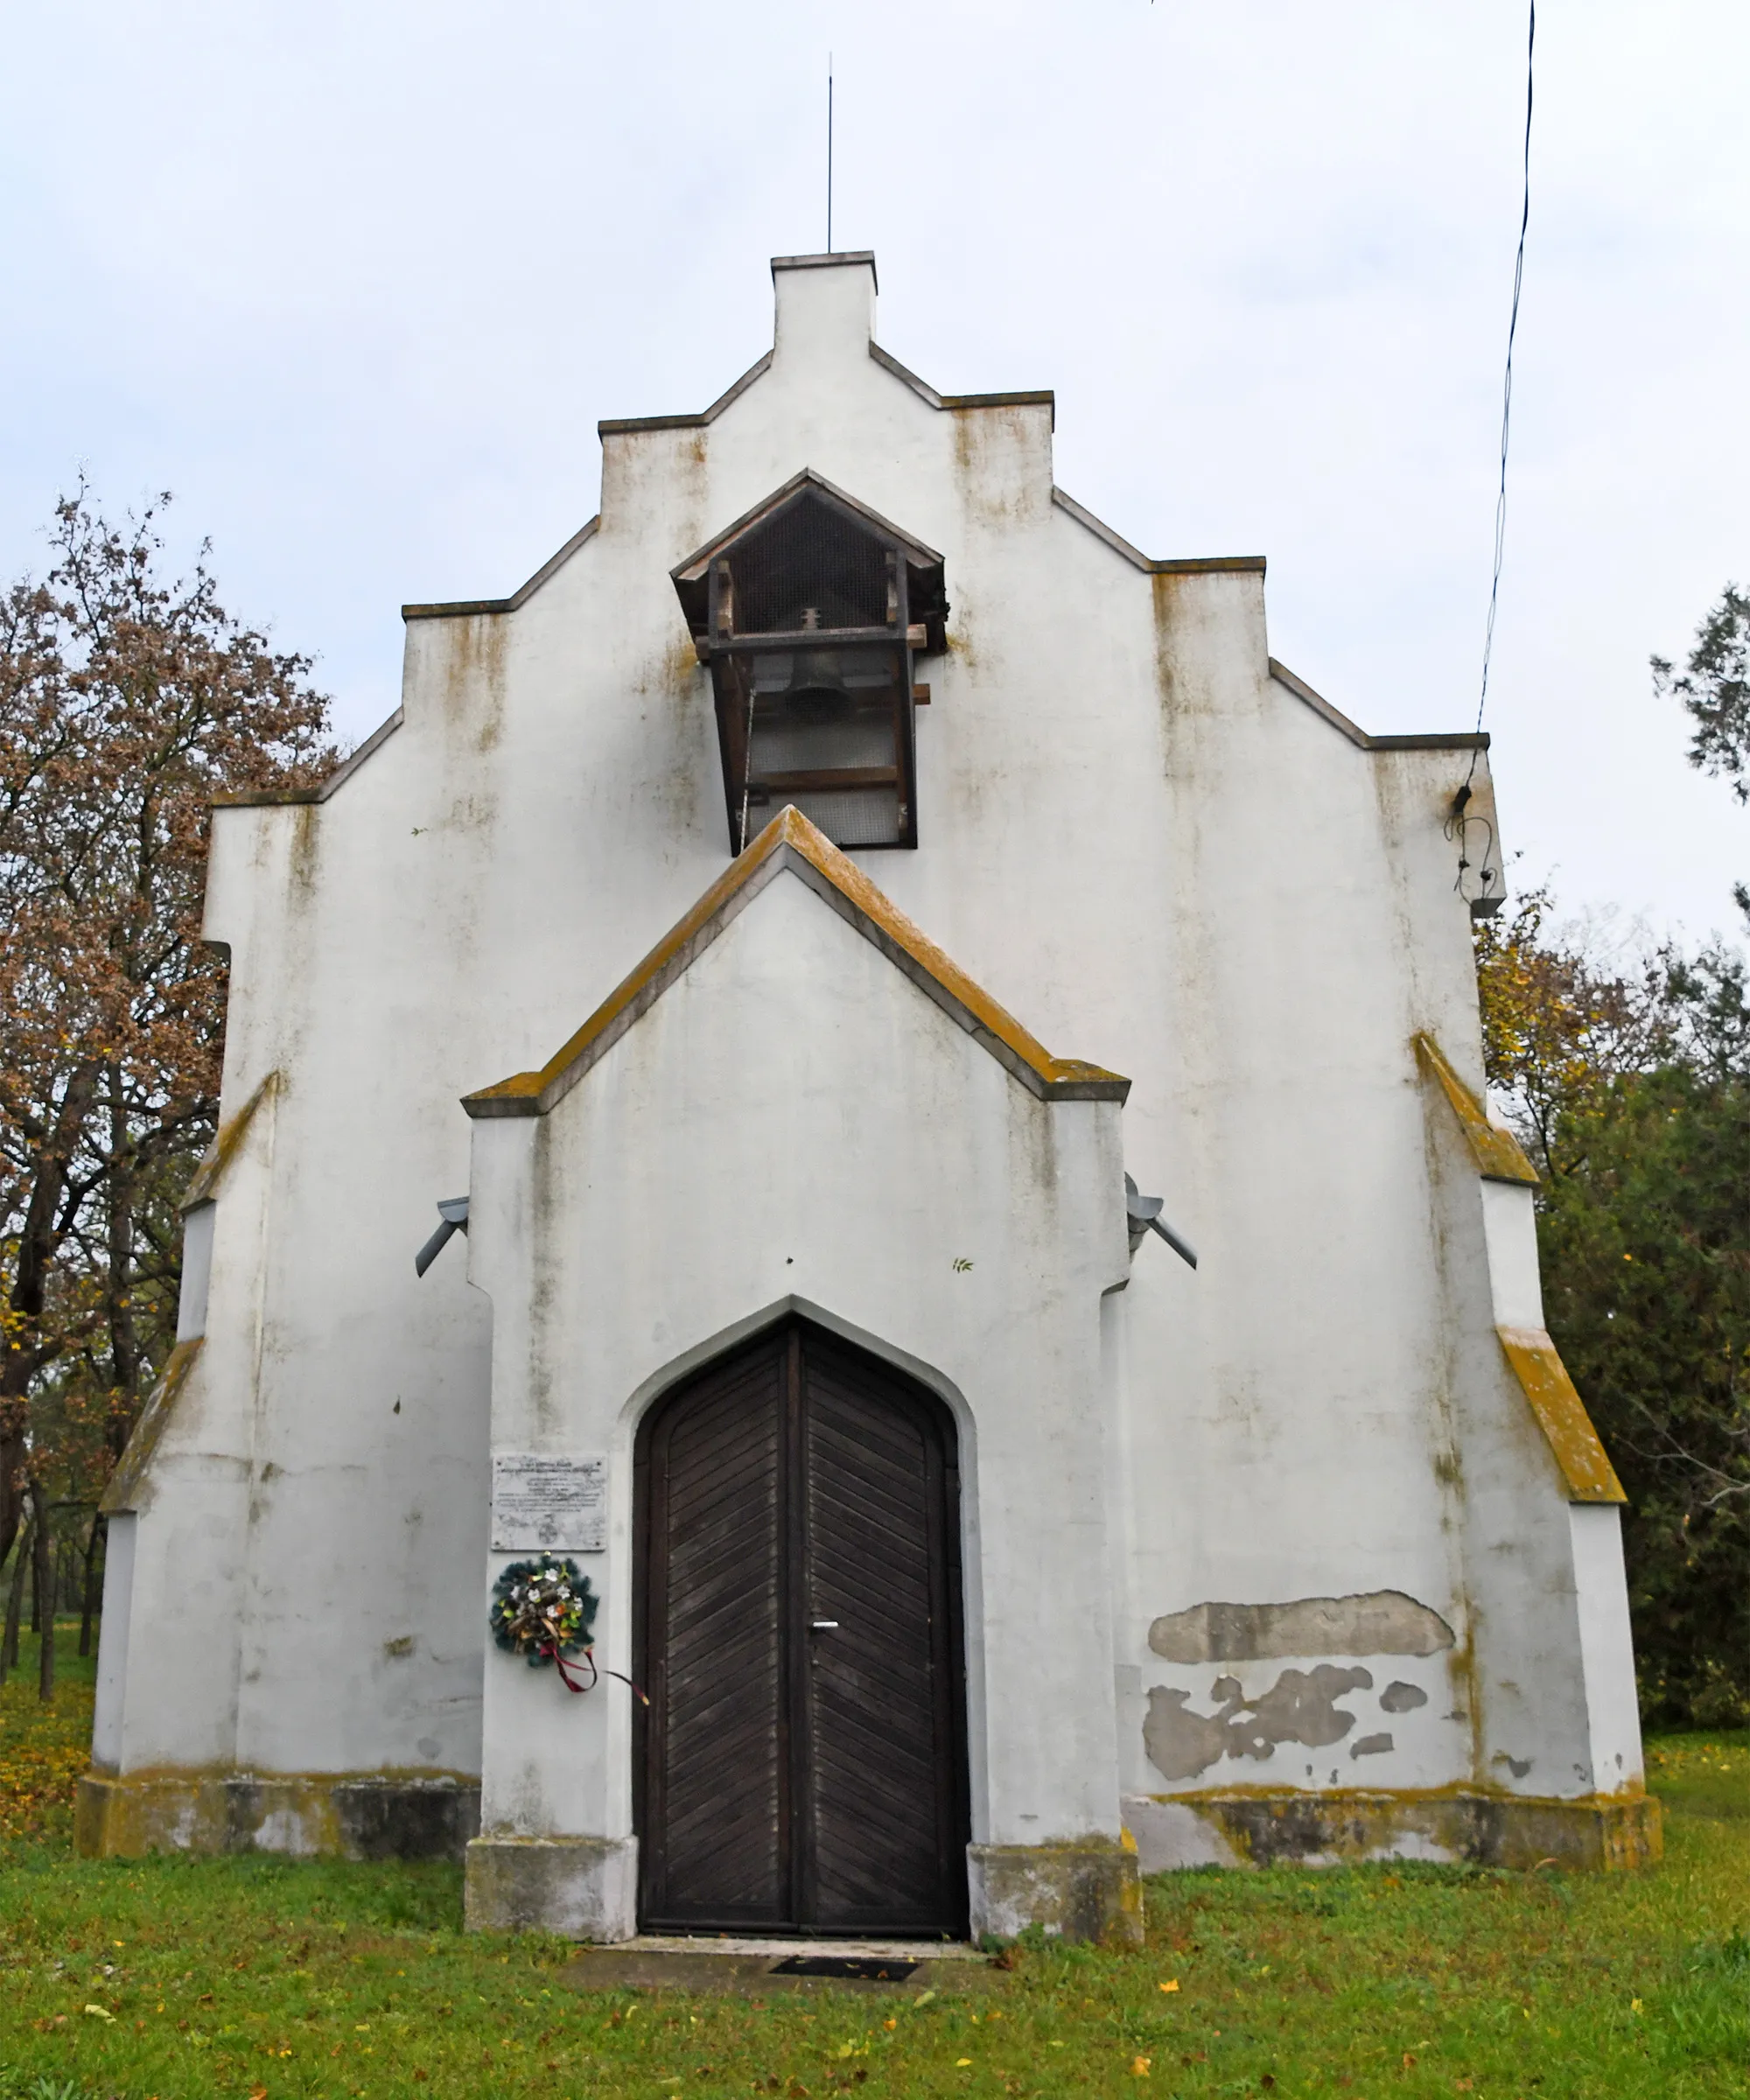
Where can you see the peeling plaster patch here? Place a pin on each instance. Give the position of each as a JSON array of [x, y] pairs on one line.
[[1298, 1708], [1181, 1744], [402, 1645], [1370, 1746], [1518, 1765], [1399, 1697], [1380, 1623]]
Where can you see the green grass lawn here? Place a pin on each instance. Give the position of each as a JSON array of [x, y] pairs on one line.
[[267, 1980]]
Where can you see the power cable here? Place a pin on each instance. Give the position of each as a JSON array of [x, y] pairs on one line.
[[1507, 384]]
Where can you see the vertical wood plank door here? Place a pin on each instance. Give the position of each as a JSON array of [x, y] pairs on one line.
[[801, 1766]]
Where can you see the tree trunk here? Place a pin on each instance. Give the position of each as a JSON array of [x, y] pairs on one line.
[[14, 1598], [44, 1559], [38, 1241], [93, 1579], [11, 1463]]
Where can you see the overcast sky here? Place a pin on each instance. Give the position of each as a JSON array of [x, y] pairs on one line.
[[357, 281]]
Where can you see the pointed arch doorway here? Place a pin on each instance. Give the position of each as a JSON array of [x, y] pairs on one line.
[[802, 1767]]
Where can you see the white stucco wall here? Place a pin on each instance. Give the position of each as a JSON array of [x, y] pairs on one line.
[[112, 1654], [1607, 1647], [1509, 1223], [796, 1125], [1134, 834]]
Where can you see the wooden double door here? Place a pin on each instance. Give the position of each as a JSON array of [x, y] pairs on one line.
[[801, 1765]]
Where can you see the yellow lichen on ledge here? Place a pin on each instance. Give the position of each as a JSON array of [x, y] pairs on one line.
[[223, 1148], [1562, 1416], [125, 1483], [1498, 1153], [791, 841]]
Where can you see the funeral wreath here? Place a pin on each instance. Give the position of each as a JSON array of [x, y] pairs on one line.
[[543, 1610]]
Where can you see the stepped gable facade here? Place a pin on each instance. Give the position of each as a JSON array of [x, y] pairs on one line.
[[972, 1240]]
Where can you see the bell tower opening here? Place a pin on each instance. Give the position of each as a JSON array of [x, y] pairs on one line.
[[811, 612]]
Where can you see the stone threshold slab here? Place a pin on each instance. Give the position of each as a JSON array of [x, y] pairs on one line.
[[756, 1968], [781, 1949]]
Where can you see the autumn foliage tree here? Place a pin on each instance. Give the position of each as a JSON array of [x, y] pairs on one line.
[[1630, 1085], [128, 700]]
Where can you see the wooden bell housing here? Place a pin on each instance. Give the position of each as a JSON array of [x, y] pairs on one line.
[[811, 612]]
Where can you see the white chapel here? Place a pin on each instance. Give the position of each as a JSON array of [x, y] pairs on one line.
[[974, 1262]]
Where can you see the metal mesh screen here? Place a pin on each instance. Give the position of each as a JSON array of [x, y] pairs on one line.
[[868, 816], [789, 737], [809, 556]]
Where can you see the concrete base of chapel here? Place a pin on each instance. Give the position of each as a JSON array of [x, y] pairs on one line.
[[349, 1814], [585, 1888], [1599, 1833], [1084, 1890]]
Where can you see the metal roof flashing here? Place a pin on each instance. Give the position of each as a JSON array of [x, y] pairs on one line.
[[1194, 565], [695, 564], [1450, 740], [843, 258]]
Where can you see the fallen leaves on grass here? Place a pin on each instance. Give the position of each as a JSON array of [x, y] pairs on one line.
[[45, 1751]]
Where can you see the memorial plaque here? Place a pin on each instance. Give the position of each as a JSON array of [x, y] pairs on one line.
[[548, 1502]]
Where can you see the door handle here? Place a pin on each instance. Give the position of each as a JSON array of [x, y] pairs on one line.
[[823, 1626]]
